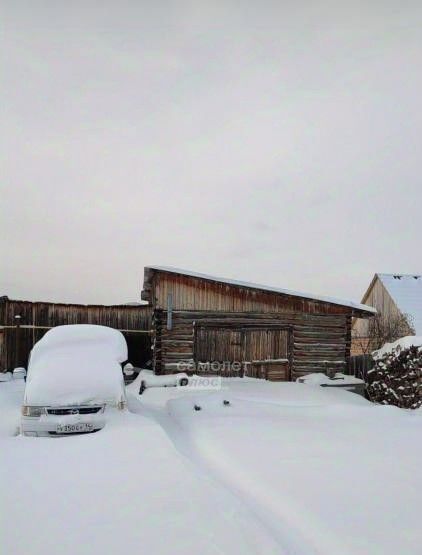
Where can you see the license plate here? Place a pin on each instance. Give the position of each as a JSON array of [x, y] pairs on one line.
[[74, 428]]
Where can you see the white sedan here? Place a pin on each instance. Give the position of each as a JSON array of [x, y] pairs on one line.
[[74, 373]]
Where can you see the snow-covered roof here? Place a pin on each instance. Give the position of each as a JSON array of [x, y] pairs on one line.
[[406, 292], [260, 287]]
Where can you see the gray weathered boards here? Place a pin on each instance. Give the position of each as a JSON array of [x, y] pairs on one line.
[[18, 335], [273, 334]]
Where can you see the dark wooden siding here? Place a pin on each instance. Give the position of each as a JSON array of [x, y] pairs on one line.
[[217, 344], [190, 293], [234, 344], [316, 334], [266, 344], [316, 341], [37, 318]]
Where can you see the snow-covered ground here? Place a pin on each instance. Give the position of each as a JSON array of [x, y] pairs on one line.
[[326, 470], [123, 490], [261, 468]]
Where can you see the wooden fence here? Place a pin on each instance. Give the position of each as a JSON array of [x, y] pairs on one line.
[[359, 365], [23, 323]]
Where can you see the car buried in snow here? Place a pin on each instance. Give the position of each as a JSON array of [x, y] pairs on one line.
[[74, 376]]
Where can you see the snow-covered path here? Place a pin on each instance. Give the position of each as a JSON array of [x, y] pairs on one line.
[[123, 490], [326, 471], [287, 540]]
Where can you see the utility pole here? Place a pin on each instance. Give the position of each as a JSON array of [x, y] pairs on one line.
[[17, 337]]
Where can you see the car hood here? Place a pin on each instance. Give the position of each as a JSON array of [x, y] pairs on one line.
[[69, 377]]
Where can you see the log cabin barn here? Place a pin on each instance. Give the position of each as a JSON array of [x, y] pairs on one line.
[[23, 323], [275, 334]]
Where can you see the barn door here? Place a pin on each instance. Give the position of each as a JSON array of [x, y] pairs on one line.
[[219, 345], [266, 352], [262, 353]]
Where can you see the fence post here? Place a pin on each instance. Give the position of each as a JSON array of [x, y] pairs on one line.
[[17, 334]]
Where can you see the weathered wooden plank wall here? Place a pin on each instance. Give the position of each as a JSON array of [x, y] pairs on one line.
[[319, 330], [317, 341], [36, 318], [191, 293], [378, 297]]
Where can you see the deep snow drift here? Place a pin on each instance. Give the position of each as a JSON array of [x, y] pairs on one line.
[[260, 468], [335, 472]]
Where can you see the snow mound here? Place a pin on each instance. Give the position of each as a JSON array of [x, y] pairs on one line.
[[398, 346], [79, 335], [151, 380], [254, 397], [19, 373], [77, 364]]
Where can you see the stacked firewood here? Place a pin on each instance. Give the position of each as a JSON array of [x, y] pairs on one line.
[[396, 379]]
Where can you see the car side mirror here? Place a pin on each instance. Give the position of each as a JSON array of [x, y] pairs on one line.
[[128, 369]]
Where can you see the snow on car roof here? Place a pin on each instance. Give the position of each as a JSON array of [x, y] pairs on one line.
[[406, 292], [76, 364], [80, 335], [251, 285]]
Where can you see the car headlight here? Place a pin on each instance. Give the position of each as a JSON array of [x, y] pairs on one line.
[[32, 411]]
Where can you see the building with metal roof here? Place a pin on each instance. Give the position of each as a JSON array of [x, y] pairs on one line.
[[394, 296]]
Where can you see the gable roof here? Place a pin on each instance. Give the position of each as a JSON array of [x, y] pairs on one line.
[[406, 292], [361, 308]]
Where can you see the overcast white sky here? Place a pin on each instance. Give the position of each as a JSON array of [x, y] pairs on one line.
[[277, 142]]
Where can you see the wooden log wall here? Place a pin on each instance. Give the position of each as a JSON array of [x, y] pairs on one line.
[[37, 318], [317, 341]]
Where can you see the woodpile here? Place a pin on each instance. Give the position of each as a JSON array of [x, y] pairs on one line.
[[396, 379]]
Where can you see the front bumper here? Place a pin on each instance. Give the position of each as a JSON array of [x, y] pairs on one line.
[[47, 425]]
